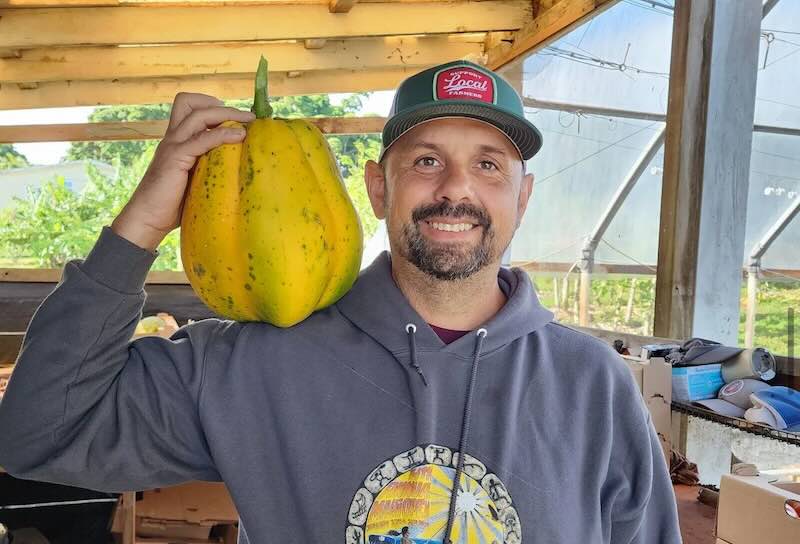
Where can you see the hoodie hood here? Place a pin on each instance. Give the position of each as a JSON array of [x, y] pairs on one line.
[[403, 330], [376, 305]]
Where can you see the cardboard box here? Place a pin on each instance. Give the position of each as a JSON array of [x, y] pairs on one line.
[[691, 383], [159, 528], [200, 503], [753, 511], [654, 380]]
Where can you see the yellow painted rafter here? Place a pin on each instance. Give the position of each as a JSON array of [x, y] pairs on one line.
[[98, 62], [165, 25], [163, 90], [553, 20]]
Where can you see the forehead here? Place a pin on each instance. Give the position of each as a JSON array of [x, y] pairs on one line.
[[457, 133]]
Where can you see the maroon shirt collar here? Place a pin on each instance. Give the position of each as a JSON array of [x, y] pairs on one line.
[[447, 335]]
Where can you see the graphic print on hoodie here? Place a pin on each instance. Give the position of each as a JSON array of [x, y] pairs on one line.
[[314, 428], [414, 490]]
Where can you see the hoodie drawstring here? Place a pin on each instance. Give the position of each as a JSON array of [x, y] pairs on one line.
[[462, 447], [411, 329]]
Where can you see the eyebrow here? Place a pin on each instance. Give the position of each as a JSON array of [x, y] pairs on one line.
[[491, 149], [426, 145]]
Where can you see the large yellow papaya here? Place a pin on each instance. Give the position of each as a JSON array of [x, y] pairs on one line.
[[268, 231]]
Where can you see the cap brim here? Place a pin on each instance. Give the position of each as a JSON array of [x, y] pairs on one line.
[[722, 407], [522, 133]]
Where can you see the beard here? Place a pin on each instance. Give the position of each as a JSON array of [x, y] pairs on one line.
[[448, 261]]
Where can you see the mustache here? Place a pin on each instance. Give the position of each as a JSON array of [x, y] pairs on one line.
[[445, 209]]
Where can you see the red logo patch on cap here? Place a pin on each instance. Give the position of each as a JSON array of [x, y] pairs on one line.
[[464, 83]]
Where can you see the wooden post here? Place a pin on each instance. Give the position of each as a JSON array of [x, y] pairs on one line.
[[575, 298], [129, 517], [706, 168], [556, 302], [752, 306], [585, 294], [631, 297]]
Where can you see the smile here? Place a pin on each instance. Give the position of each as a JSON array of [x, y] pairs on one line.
[[456, 227]]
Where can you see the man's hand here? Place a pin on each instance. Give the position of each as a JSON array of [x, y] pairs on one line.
[[155, 207]]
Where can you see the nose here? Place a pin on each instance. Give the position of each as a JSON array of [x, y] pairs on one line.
[[456, 184]]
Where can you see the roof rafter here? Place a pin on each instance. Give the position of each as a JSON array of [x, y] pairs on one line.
[[165, 25], [163, 90], [97, 62]]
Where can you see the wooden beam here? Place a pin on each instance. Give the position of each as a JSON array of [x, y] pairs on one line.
[[549, 25], [168, 3], [154, 130], [148, 3], [155, 91], [340, 6], [706, 168], [104, 62], [53, 275], [165, 25], [315, 43]]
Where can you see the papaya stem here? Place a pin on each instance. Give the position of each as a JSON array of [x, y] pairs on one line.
[[261, 106]]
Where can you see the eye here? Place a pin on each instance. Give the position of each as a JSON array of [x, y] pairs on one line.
[[488, 165], [427, 161]]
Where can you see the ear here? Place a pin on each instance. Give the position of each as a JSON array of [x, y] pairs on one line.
[[375, 180], [525, 191]]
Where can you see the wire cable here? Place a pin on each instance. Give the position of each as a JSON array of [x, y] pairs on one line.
[[589, 156], [652, 269]]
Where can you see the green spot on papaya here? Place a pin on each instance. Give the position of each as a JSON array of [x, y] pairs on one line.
[[248, 287], [199, 270]]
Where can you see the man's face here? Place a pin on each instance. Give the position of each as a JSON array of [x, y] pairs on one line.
[[452, 192]]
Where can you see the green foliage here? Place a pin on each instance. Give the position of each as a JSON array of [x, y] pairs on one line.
[[774, 299], [610, 297], [126, 151], [54, 224], [11, 158], [353, 153]]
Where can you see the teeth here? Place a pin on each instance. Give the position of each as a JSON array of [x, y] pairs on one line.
[[460, 227]]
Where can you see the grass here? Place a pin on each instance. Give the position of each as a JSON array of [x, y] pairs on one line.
[[611, 297]]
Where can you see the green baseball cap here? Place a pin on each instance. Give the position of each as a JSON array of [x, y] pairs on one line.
[[461, 89]]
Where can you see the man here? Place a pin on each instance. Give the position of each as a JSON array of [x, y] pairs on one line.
[[350, 424]]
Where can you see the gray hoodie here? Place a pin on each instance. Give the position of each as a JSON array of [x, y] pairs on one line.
[[346, 427]]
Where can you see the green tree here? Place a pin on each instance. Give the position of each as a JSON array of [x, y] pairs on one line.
[[54, 224], [11, 158], [125, 151]]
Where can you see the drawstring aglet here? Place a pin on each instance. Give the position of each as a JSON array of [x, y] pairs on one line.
[[411, 329]]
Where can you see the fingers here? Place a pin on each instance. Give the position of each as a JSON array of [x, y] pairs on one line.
[[207, 140], [201, 119], [186, 103]]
